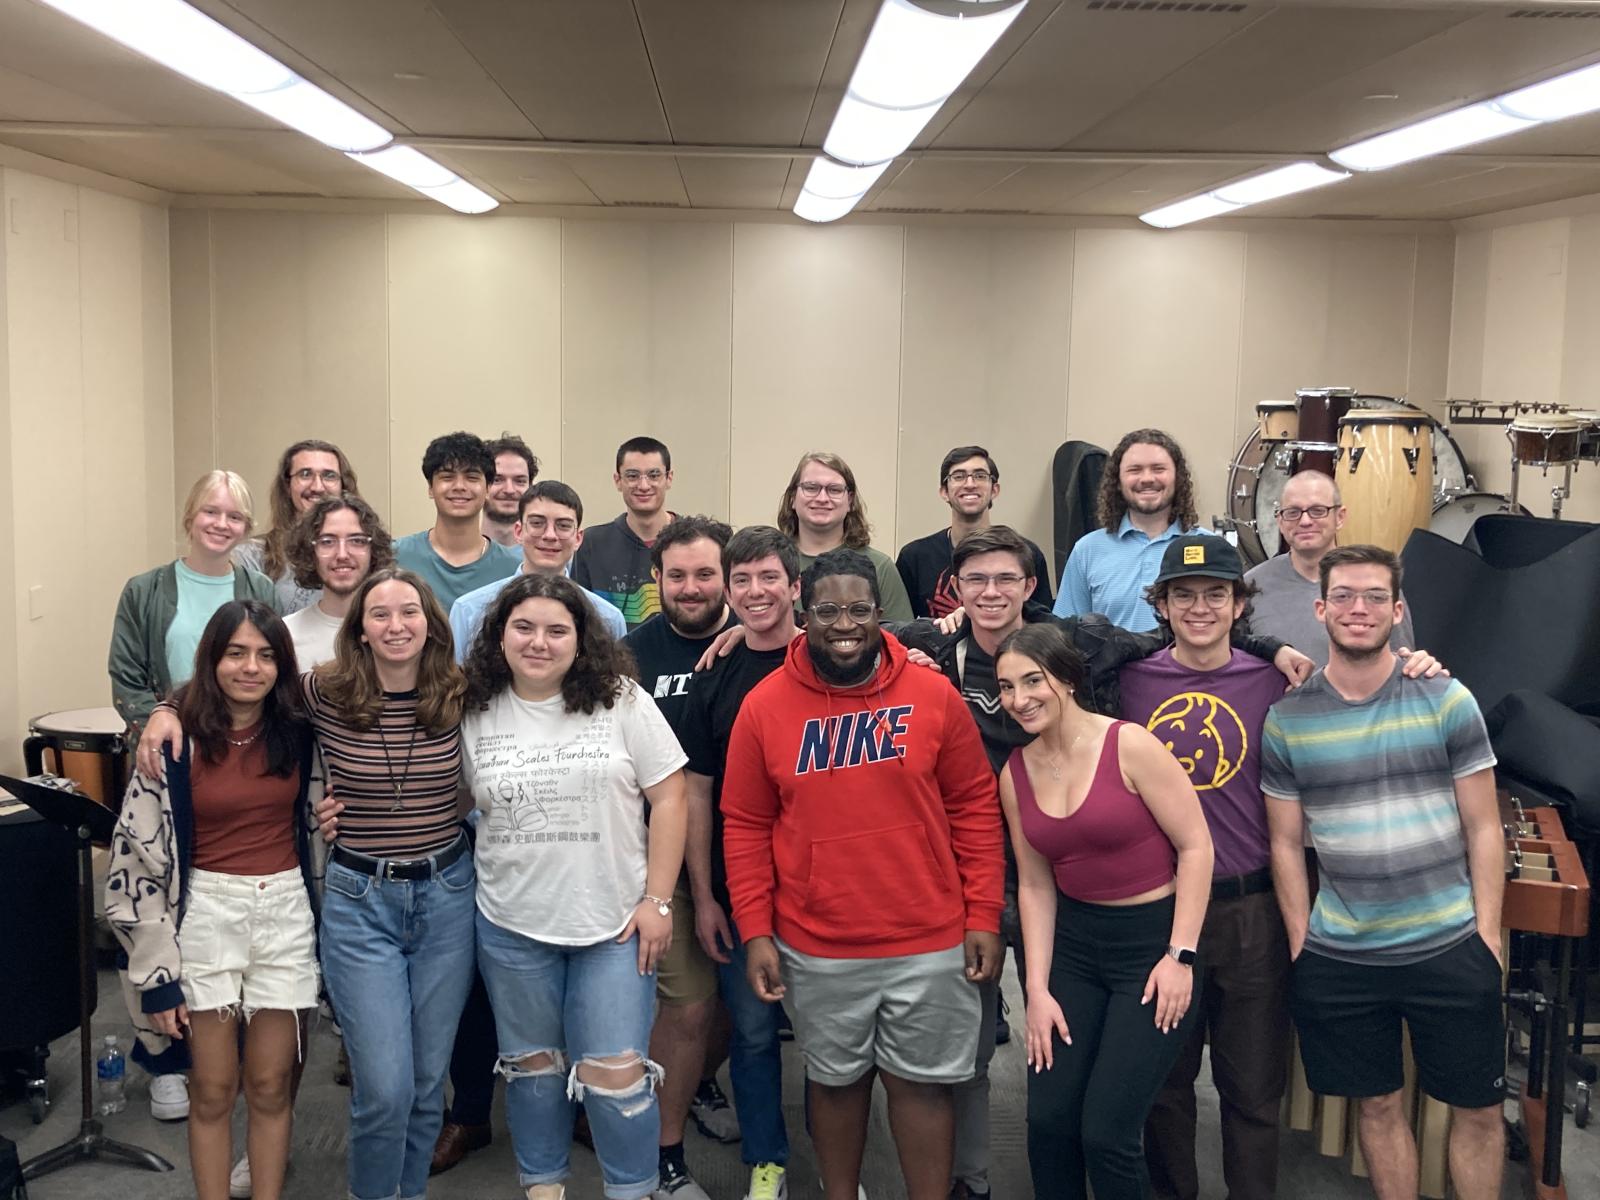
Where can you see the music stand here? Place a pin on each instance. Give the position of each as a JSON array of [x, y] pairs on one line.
[[90, 824]]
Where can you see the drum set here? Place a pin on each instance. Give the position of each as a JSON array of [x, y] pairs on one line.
[[1397, 468]]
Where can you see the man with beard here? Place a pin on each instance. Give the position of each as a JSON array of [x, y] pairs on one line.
[[515, 468], [1146, 500], [614, 558], [687, 565], [1393, 780], [862, 841], [338, 544], [969, 482]]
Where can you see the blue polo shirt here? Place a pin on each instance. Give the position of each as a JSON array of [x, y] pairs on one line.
[[1108, 573]]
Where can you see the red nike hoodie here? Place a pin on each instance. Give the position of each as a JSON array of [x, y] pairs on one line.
[[860, 822]]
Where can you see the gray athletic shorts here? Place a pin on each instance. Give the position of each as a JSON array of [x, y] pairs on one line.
[[915, 1016]]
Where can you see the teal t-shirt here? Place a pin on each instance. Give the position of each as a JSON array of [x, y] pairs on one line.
[[415, 553], [199, 596]]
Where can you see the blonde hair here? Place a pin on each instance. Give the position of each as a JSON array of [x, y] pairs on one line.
[[236, 487], [857, 530]]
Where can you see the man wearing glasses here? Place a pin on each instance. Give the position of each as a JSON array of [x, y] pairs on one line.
[[614, 558], [969, 482], [340, 542], [1310, 515], [862, 839]]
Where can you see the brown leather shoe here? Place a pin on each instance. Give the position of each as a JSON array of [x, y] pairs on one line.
[[455, 1143]]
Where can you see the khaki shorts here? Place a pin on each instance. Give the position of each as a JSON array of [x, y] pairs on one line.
[[684, 975], [248, 941], [915, 1016]]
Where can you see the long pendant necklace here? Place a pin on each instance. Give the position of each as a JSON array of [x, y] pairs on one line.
[[397, 784]]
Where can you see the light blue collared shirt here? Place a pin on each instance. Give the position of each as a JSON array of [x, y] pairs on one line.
[[1108, 573], [466, 614]]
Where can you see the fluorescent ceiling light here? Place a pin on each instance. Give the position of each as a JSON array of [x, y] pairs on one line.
[[823, 209], [1568, 95], [1273, 185], [420, 173], [1197, 208], [832, 189], [1437, 135], [913, 60], [306, 107], [461, 196]]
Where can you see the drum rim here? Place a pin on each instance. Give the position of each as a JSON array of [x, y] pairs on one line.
[[36, 728], [1545, 424]]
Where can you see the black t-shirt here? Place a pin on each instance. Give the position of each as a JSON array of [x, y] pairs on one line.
[[714, 700], [666, 663], [924, 565], [979, 688]]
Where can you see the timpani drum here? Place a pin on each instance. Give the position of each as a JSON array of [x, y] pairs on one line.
[[1277, 420], [1385, 474], [87, 746], [1545, 440]]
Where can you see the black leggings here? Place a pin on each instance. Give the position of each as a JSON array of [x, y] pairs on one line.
[[1086, 1114]]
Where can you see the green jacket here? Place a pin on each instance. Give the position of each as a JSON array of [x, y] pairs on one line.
[[138, 660]]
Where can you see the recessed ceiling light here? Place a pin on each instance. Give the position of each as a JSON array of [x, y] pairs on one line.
[[1382, 96], [409, 76]]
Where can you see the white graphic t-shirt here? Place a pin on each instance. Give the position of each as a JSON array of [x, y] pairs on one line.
[[561, 833]]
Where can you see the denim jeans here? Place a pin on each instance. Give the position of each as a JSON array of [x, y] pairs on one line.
[[574, 1004], [755, 1063], [397, 959]]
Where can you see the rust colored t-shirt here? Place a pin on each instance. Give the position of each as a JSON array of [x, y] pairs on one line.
[[243, 817]]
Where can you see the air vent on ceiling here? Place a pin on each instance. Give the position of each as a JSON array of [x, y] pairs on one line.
[[1164, 6], [1550, 14]]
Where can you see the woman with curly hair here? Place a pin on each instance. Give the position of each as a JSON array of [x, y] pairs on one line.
[[563, 752]]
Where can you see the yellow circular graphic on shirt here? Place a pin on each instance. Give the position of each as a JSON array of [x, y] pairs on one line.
[[1204, 734]]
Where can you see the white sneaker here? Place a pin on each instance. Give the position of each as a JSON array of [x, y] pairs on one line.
[[548, 1191], [768, 1181], [239, 1179], [169, 1097]]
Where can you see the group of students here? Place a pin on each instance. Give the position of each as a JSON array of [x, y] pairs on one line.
[[592, 816]]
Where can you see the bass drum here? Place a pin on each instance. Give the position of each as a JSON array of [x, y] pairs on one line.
[[1258, 472], [1454, 517]]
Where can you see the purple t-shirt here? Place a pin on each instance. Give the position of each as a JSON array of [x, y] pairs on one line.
[[1211, 721]]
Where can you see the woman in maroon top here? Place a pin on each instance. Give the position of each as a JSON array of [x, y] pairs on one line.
[[209, 891], [1114, 871]]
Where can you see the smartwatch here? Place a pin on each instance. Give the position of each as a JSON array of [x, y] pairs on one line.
[[1181, 954]]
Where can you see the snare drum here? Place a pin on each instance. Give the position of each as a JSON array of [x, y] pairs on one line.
[[87, 746], [1385, 475], [1277, 420], [1545, 439]]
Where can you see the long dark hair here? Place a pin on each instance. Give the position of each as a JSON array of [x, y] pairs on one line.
[[203, 708], [350, 681], [1049, 646], [1113, 506], [275, 545], [592, 681]]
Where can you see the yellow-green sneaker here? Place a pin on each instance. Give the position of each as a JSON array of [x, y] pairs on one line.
[[768, 1181]]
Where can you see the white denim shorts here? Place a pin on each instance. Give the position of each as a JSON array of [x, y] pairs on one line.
[[248, 942]]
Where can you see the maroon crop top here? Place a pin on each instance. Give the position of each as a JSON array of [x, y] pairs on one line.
[[1111, 847]]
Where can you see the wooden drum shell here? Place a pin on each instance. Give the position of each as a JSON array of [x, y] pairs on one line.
[[1385, 476]]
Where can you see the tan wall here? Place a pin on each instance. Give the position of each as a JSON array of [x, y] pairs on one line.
[[86, 386], [743, 344], [1523, 330]]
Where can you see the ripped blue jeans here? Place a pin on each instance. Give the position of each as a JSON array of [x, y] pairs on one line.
[[562, 1007]]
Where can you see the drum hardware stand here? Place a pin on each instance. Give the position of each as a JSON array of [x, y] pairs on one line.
[[89, 823], [1559, 495]]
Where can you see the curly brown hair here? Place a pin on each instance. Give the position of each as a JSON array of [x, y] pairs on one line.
[[275, 542], [350, 681], [302, 546], [594, 680], [1113, 506], [857, 530]]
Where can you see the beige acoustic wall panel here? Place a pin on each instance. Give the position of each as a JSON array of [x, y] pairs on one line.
[[1432, 280], [301, 343], [816, 362], [474, 323], [1469, 299], [1155, 342], [1524, 314], [194, 357], [1580, 359], [646, 349], [984, 361], [11, 715]]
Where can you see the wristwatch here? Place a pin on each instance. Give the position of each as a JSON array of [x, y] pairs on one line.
[[1181, 954], [664, 907]]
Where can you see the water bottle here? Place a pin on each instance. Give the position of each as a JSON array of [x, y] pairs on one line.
[[112, 1070]]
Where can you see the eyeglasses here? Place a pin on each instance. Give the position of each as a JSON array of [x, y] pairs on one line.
[[306, 475], [355, 541], [1216, 597], [836, 491], [964, 476], [654, 475], [860, 612], [565, 526], [1005, 581], [1345, 597], [1315, 511]]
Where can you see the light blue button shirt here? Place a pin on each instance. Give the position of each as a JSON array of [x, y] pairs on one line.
[[1108, 573], [466, 614]]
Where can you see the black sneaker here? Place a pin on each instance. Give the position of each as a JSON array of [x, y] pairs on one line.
[[713, 1115]]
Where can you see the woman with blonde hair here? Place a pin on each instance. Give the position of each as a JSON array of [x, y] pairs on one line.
[[307, 471]]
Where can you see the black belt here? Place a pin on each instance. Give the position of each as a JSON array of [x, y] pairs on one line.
[[401, 868], [1231, 887]]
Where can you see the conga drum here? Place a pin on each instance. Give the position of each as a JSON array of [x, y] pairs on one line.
[[1546, 439], [1385, 475], [1589, 436], [87, 746], [1318, 412], [1277, 420]]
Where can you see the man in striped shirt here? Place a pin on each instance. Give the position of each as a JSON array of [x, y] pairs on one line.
[[1393, 780]]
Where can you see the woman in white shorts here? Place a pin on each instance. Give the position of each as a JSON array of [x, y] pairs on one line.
[[209, 892]]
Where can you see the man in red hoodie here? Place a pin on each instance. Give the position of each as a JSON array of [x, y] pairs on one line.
[[862, 838]]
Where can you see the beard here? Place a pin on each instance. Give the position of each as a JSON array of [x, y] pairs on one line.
[[1357, 655], [1149, 502], [696, 626], [504, 514], [835, 675]]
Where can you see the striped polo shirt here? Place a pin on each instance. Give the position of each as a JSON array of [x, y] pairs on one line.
[[1376, 779], [1109, 572]]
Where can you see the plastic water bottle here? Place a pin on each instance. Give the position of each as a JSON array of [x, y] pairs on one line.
[[112, 1070]]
